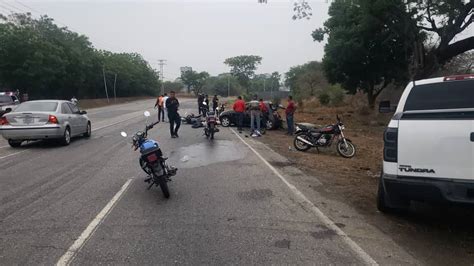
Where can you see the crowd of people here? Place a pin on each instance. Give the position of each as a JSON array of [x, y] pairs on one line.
[[259, 113], [168, 107]]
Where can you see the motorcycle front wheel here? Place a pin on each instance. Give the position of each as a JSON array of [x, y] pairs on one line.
[[346, 152], [300, 145]]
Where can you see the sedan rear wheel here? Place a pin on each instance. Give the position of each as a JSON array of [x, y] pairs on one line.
[[66, 139], [14, 143]]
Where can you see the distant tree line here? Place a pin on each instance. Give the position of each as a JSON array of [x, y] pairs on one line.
[[46, 61]]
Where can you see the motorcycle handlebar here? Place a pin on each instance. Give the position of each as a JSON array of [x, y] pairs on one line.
[[152, 125]]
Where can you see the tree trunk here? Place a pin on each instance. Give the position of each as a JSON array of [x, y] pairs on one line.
[[189, 89], [371, 96]]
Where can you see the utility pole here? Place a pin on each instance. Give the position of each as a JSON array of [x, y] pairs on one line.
[[162, 63], [228, 86], [105, 83], [115, 82]]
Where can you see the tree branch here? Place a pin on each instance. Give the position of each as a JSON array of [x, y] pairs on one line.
[[430, 19], [428, 29], [455, 49]]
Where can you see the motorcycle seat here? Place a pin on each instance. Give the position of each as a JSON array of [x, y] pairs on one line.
[[320, 130]]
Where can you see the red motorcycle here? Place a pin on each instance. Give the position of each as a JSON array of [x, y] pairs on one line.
[[308, 137]]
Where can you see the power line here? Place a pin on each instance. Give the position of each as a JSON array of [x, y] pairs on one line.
[[40, 13], [6, 8], [12, 6]]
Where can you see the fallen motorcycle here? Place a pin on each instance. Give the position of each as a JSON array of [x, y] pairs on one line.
[[152, 160], [308, 137], [190, 118]]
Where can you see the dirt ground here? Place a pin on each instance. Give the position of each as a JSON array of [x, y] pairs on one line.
[[435, 234]]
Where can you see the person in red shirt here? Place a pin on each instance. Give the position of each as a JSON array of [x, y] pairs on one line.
[[290, 112], [239, 108], [264, 111]]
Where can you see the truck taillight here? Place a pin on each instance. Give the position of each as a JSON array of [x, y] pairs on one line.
[[390, 147], [3, 121], [459, 77], [53, 119]]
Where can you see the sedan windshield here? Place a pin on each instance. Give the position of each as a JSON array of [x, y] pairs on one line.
[[37, 107]]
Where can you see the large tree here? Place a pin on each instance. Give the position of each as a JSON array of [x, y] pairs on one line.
[[243, 68], [306, 80], [366, 48], [436, 36], [47, 61], [444, 21], [194, 80]]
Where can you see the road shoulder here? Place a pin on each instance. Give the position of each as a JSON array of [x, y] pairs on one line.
[[372, 240]]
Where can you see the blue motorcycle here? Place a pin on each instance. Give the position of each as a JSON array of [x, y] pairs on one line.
[[152, 160]]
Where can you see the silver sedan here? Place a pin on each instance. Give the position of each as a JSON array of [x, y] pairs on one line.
[[44, 120]]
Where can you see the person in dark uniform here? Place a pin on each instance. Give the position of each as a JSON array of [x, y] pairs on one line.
[[172, 105], [215, 103], [200, 100]]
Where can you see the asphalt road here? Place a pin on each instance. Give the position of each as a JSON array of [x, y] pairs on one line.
[[87, 203]]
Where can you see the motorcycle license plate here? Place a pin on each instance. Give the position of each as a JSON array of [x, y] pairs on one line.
[[152, 158]]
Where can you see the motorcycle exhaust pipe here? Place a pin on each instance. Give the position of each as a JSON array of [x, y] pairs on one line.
[[305, 141]]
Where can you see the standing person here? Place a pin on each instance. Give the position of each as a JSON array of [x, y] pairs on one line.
[[172, 105], [200, 100], [165, 108], [74, 100], [205, 106], [264, 110], [255, 114], [159, 104], [290, 112], [206, 99], [239, 108], [215, 103]]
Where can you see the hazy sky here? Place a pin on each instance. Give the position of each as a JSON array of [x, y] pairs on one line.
[[200, 34], [196, 33]]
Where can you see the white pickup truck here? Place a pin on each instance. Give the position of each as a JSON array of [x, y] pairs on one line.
[[8, 102], [429, 144]]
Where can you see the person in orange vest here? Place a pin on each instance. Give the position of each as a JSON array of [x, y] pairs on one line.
[[161, 112]]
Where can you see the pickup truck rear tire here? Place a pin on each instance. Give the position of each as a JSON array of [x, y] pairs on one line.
[[14, 143], [385, 204]]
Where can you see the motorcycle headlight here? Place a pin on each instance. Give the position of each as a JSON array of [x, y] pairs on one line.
[[343, 127]]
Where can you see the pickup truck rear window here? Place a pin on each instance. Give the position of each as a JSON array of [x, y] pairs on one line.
[[5, 99], [443, 95]]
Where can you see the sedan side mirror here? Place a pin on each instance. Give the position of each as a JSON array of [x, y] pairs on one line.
[[386, 107], [82, 112]]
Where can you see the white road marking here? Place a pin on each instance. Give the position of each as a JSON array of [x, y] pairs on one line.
[[113, 124], [6, 156], [366, 258], [91, 228], [1, 147]]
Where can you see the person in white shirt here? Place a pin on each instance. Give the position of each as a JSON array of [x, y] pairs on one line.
[[74, 100], [165, 98]]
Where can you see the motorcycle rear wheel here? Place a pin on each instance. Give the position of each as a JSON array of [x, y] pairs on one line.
[[299, 145], [164, 186], [348, 152]]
